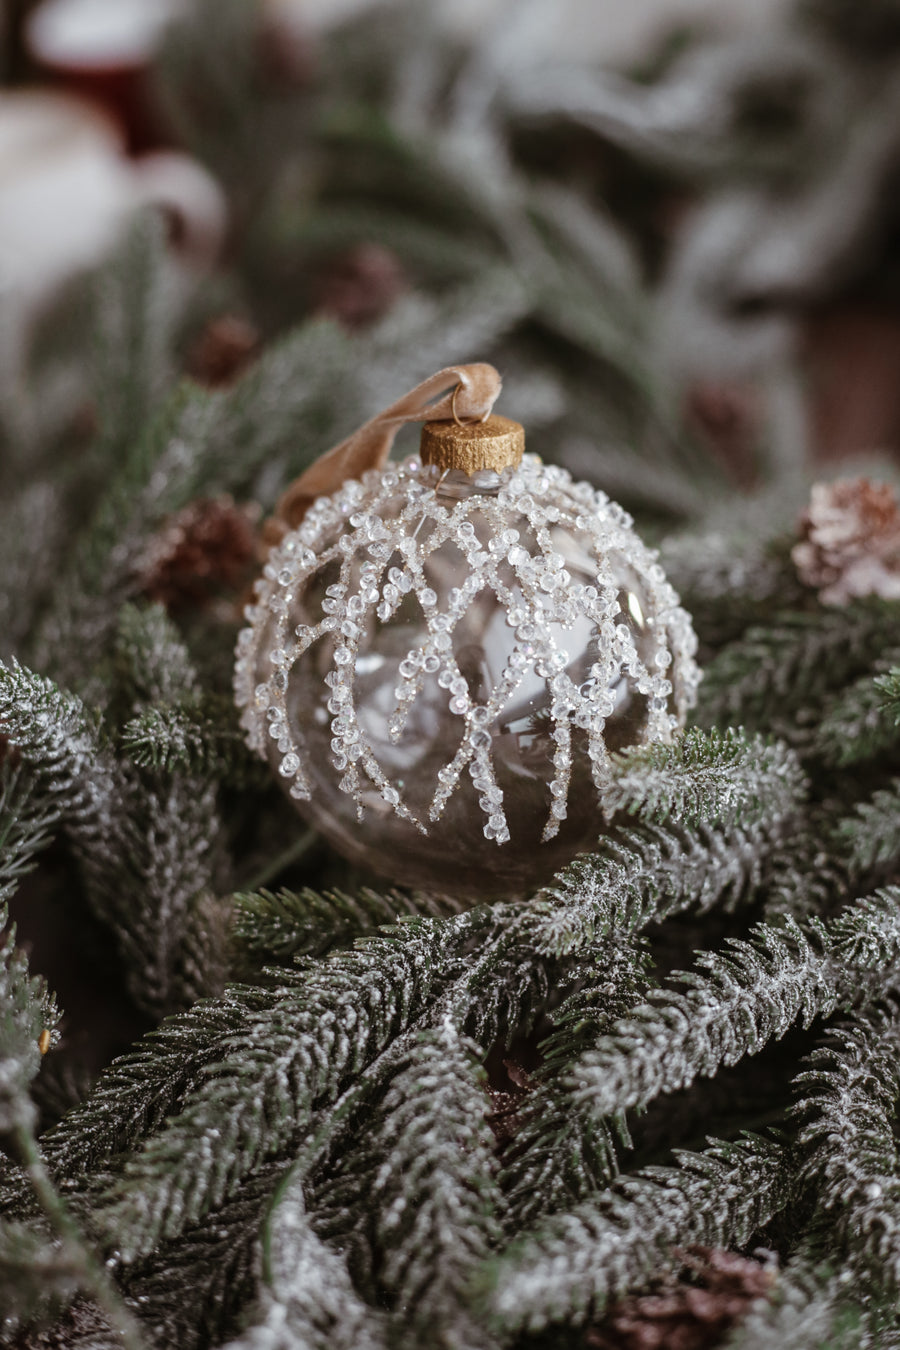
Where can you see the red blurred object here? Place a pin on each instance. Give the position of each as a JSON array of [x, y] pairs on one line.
[[103, 50]]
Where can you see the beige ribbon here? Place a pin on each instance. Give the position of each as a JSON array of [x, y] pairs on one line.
[[473, 392]]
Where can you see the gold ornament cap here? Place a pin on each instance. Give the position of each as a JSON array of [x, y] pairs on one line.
[[497, 443]]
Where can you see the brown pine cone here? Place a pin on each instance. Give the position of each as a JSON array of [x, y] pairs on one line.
[[682, 1316], [850, 541], [224, 350], [359, 287], [202, 551]]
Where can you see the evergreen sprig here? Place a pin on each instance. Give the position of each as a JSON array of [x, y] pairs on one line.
[[297, 1055], [568, 1269], [847, 1138], [28, 1021], [751, 992], [794, 664], [871, 836], [860, 721], [307, 922], [721, 778]]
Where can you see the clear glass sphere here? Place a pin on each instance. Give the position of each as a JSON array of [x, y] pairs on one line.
[[439, 670]]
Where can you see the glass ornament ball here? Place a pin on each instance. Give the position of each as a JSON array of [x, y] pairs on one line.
[[438, 666]]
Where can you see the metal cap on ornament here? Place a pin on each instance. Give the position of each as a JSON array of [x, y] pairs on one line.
[[472, 447], [445, 652]]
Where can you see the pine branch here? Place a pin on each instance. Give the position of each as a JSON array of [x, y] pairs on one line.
[[644, 874], [434, 1196], [37, 1276], [145, 879], [867, 934], [859, 723], [707, 779], [202, 740], [307, 922], [794, 663], [871, 836], [847, 1141], [286, 1060], [190, 1292], [27, 1011], [808, 1308], [308, 1301], [570, 1268], [136, 1093], [803, 878], [27, 819], [561, 1155], [55, 733], [752, 994], [133, 330], [889, 688], [31, 529], [152, 662], [90, 1274]]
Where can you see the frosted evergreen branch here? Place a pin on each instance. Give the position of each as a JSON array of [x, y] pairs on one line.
[[754, 992], [867, 934], [27, 820], [803, 878], [101, 572], [751, 992], [27, 1011], [199, 740], [871, 836], [189, 1291], [307, 922], [146, 880], [152, 663], [794, 663], [889, 688], [810, 1307], [31, 529], [56, 734], [847, 1142], [91, 1275], [709, 779], [37, 1276], [859, 722], [434, 1195], [560, 1154], [284, 1062], [643, 874], [571, 1267], [134, 319], [135, 1094], [308, 1301]]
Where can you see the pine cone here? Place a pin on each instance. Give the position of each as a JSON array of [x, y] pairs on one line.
[[850, 541], [360, 286], [507, 1100], [204, 549], [682, 1316], [224, 350]]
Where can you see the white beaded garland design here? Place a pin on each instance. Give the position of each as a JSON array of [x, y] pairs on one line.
[[551, 552]]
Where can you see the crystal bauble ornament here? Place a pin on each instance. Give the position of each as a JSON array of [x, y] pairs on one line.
[[440, 663]]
